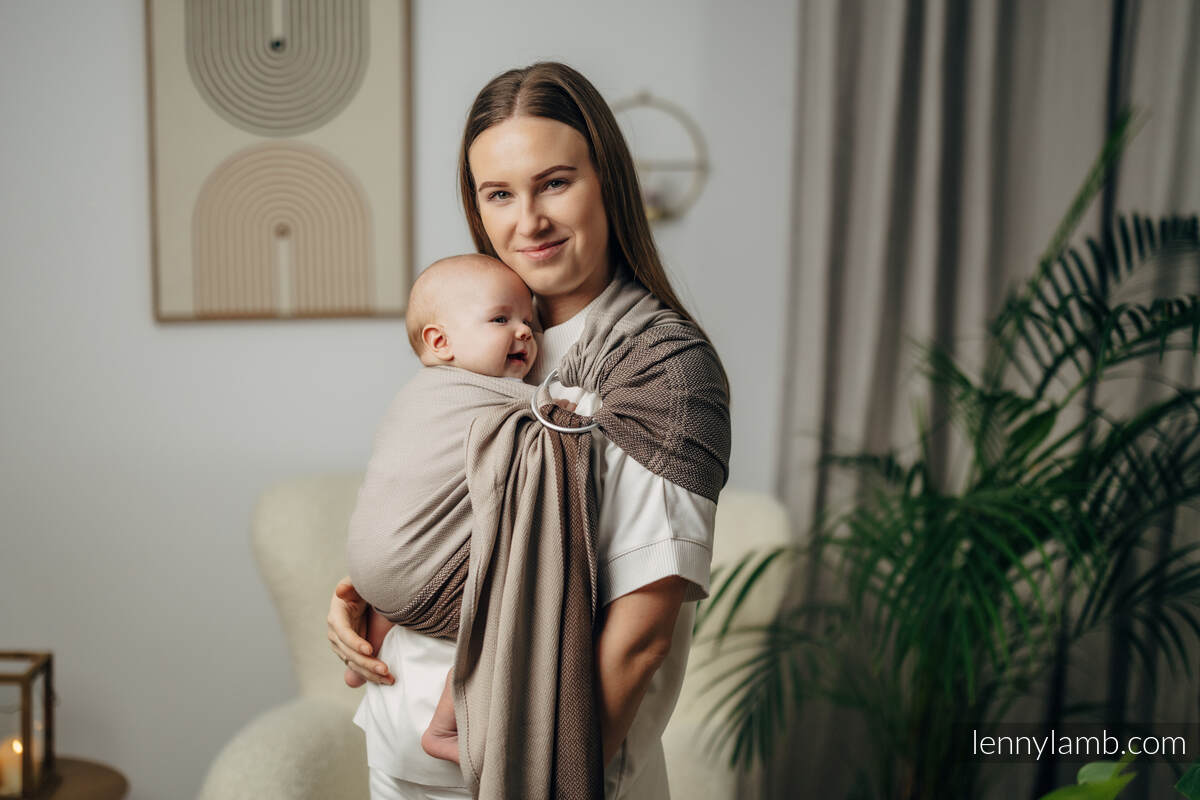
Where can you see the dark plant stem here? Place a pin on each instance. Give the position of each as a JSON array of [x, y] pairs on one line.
[[1118, 90], [1047, 771]]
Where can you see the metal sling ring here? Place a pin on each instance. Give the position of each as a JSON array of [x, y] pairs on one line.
[[533, 405]]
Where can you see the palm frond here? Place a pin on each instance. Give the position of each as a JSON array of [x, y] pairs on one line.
[[951, 601]]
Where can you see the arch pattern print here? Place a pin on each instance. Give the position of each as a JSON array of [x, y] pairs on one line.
[[281, 229], [277, 67]]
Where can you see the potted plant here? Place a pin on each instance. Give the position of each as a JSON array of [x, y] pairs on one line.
[[955, 596]]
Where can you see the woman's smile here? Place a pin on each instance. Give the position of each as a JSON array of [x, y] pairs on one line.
[[543, 252]]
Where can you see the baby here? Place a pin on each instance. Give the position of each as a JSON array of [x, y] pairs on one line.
[[474, 313]]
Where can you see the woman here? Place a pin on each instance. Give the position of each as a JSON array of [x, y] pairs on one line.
[[549, 187]]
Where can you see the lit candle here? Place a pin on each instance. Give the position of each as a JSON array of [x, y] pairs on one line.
[[10, 766]]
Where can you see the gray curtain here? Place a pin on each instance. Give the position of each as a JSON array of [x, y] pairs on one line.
[[938, 144]]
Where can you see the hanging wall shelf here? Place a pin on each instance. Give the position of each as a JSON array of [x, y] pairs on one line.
[[671, 184]]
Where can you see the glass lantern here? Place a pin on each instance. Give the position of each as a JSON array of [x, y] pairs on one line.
[[26, 724]]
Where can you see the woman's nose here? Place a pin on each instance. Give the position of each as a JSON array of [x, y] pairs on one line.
[[532, 221]]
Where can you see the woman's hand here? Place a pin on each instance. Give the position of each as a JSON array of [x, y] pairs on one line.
[[346, 623]]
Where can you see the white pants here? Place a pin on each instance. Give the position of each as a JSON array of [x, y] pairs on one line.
[[385, 787], [651, 784]]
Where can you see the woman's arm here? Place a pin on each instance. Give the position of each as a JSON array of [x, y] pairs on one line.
[[635, 637]]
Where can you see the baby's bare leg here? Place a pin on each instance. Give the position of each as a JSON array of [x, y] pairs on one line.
[[377, 629], [440, 739]]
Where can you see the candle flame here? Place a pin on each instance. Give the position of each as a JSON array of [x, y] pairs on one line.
[[17, 748]]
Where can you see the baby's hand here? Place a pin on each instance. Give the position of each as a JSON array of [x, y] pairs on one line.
[[569, 406]]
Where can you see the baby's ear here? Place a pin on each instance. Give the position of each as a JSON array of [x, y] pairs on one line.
[[435, 339]]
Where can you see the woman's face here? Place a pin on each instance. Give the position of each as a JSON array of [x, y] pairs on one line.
[[540, 200]]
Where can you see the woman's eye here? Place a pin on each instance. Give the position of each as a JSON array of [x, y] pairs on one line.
[[555, 183], [499, 194]]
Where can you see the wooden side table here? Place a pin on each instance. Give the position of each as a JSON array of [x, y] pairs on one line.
[[87, 780]]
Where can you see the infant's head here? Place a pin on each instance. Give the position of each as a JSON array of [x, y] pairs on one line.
[[473, 312]]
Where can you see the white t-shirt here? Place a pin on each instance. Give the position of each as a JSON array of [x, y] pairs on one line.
[[648, 529]]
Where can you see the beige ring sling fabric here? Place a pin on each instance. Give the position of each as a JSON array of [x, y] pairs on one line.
[[481, 529]]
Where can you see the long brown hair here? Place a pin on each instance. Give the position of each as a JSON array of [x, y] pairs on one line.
[[555, 91]]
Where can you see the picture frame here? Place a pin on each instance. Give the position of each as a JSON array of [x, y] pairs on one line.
[[280, 158]]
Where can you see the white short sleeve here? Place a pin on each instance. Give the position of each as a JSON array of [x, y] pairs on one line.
[[650, 529]]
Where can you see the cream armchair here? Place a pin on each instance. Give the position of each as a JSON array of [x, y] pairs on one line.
[[308, 748]]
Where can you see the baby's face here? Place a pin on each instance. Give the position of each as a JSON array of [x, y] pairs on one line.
[[489, 325]]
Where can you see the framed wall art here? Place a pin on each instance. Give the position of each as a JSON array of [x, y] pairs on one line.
[[280, 160]]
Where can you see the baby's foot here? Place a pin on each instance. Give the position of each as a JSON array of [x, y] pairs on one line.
[[440, 743], [353, 679]]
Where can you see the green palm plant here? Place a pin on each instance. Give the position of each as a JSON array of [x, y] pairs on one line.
[[1104, 780], [953, 597]]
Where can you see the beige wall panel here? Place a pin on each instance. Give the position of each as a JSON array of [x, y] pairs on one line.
[[308, 101]]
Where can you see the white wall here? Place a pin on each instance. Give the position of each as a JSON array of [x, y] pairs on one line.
[[132, 452]]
